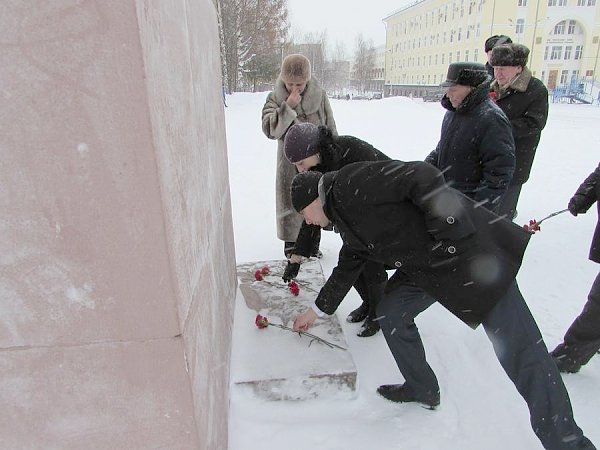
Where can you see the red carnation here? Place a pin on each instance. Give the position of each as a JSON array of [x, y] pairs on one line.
[[532, 227], [258, 275], [294, 288], [261, 321], [493, 95], [265, 270]]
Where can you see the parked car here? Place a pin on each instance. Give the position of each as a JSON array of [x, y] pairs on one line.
[[377, 96]]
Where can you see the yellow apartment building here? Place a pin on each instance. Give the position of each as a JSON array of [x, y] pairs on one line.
[[423, 38]]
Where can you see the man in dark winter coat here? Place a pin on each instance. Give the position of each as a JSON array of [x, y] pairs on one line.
[[476, 147], [446, 248], [309, 147], [582, 339], [524, 100], [490, 43]]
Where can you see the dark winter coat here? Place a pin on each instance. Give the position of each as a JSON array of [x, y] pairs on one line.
[[336, 152], [403, 215], [525, 103], [476, 151], [277, 117], [590, 191]]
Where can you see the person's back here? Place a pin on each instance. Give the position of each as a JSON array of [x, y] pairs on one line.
[[476, 148]]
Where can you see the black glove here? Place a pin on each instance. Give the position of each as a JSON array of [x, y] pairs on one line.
[[577, 204], [291, 271]]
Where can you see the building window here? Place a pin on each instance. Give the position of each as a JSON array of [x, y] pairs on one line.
[[556, 52], [559, 28], [443, 58], [591, 2], [520, 26], [568, 50], [562, 2], [458, 56], [574, 74], [589, 73], [522, 2], [476, 54], [449, 58], [571, 28], [578, 51], [543, 75], [580, 2], [563, 76], [466, 55], [551, 2], [459, 34], [478, 30]]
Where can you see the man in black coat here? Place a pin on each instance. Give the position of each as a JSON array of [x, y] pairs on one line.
[[309, 147], [490, 43], [582, 339], [524, 100], [476, 150], [444, 247]]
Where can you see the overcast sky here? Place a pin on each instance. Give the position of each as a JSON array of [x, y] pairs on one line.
[[343, 19]]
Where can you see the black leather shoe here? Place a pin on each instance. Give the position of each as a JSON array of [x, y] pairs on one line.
[[359, 314], [369, 328], [398, 393]]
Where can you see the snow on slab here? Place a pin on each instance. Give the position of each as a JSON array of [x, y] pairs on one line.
[[279, 364]]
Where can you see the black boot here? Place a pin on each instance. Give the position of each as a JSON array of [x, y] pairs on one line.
[[564, 361], [369, 327], [399, 393], [359, 314]]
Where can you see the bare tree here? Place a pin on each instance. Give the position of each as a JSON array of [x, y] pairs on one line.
[[253, 33], [364, 61]]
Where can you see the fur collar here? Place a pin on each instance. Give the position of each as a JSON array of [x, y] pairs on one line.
[[312, 96], [518, 83]]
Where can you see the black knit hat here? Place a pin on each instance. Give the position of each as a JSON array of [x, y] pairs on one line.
[[301, 141], [305, 189], [497, 39], [465, 74], [509, 55]]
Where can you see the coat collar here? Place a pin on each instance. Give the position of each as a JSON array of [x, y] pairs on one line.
[[311, 97], [477, 96]]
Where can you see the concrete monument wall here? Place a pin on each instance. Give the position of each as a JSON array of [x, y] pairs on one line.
[[117, 271]]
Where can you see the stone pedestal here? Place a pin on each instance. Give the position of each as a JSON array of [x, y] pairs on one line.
[[278, 364]]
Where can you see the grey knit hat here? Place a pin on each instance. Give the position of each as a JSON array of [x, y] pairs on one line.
[[301, 141], [305, 189]]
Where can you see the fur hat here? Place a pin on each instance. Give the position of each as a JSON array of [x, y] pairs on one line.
[[465, 74], [497, 39], [295, 69], [509, 55], [301, 141], [305, 189]]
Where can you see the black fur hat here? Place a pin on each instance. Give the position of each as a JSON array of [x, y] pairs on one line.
[[497, 39], [509, 55], [465, 74], [305, 189]]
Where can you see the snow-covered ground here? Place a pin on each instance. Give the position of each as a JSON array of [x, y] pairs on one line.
[[480, 409]]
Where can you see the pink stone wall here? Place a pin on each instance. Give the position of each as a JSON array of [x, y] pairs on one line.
[[117, 272]]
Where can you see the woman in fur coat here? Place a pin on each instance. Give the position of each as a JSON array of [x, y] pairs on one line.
[[297, 97]]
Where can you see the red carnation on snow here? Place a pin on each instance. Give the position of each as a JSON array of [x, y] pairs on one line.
[[261, 321], [260, 273], [294, 288]]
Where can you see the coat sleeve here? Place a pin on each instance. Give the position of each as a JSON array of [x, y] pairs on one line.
[[535, 115], [589, 189], [497, 157], [349, 267], [276, 118]]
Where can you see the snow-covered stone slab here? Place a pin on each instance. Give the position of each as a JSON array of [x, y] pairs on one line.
[[279, 364]]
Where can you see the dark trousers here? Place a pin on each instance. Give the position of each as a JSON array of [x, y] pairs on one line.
[[518, 345], [582, 339], [508, 204]]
